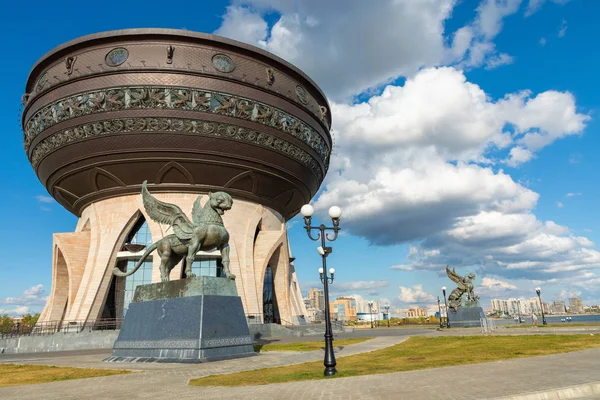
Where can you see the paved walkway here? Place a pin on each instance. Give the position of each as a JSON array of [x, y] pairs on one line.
[[169, 381]]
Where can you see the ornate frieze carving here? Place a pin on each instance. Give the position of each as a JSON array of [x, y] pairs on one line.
[[153, 97], [182, 125]]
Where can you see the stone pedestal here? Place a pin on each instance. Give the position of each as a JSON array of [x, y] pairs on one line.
[[466, 316], [189, 320]]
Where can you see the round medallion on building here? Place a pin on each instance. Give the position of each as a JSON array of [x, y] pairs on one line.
[[223, 63], [116, 57], [42, 82], [301, 93]]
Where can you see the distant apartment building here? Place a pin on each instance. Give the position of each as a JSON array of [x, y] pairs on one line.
[[416, 312], [317, 299], [576, 305], [315, 305], [343, 309], [362, 306], [314, 316], [595, 309], [515, 307], [558, 307]]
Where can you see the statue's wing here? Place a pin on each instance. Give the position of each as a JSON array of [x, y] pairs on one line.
[[165, 213], [197, 211], [454, 276]]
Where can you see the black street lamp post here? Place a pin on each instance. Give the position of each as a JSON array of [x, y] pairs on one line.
[[387, 312], [370, 303], [440, 311], [335, 213], [446, 304], [519, 310], [539, 293]]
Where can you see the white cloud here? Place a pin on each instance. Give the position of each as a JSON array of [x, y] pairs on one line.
[[383, 301], [491, 14], [411, 166], [347, 46], [574, 194], [563, 29], [403, 267], [497, 60], [559, 204], [420, 162], [243, 24], [44, 199], [575, 158], [496, 284], [34, 291], [339, 288], [32, 298], [543, 41], [534, 5], [406, 159], [565, 294], [353, 46], [518, 155], [414, 295], [361, 285], [480, 34], [16, 311]]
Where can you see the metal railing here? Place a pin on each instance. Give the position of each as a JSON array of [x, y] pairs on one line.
[[487, 325], [53, 327], [255, 319]]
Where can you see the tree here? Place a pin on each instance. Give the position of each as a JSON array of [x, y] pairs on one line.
[[30, 320], [6, 324]]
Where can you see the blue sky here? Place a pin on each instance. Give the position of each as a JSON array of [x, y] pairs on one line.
[[429, 101]]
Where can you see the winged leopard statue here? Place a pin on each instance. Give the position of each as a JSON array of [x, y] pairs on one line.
[[206, 232], [464, 286]]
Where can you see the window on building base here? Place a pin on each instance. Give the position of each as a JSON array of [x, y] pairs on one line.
[[205, 267], [270, 310], [122, 289]]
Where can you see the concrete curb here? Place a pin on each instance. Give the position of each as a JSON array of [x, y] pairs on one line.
[[587, 390]]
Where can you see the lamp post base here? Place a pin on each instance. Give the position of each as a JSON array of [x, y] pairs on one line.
[[330, 371]]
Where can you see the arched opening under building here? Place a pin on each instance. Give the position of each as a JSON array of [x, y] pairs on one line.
[[270, 310], [122, 289]]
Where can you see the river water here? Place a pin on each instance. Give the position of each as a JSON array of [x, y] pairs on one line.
[[553, 319]]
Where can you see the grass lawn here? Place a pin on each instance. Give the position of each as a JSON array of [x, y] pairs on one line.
[[306, 346], [415, 353], [19, 374]]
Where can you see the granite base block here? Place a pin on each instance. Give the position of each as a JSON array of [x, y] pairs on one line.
[[466, 317], [196, 286], [184, 329]]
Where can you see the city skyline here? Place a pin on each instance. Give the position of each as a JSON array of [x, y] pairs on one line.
[[465, 135]]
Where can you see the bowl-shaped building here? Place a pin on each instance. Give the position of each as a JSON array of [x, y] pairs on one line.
[[190, 113]]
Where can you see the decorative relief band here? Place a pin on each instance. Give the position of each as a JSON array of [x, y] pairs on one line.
[[151, 97], [224, 342], [183, 125], [157, 344]]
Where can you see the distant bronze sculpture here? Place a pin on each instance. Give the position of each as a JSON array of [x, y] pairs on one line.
[[205, 233], [464, 286]]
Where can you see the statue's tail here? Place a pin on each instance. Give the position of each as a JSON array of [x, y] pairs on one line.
[[118, 272]]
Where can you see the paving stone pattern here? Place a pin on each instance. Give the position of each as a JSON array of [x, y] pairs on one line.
[[477, 381]]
